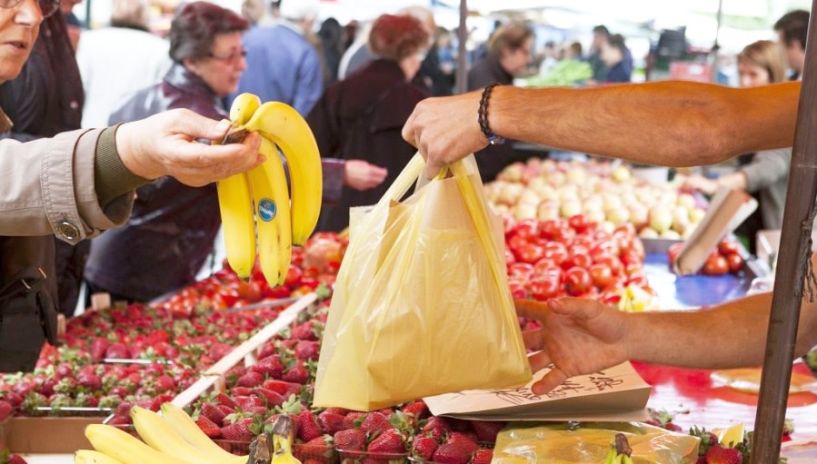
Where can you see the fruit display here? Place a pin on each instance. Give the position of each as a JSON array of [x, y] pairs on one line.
[[726, 258], [606, 193], [575, 257], [255, 206], [8, 458]]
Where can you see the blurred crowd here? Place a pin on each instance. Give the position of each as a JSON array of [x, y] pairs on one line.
[[356, 84]]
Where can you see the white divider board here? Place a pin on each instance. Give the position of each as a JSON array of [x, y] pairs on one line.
[[212, 375]]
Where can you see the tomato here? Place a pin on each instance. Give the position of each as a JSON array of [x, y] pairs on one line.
[[250, 291], [625, 230], [550, 229], [728, 248], [578, 260], [545, 265], [544, 288], [294, 276], [584, 241], [716, 265], [518, 290], [611, 262], [610, 298], [602, 275], [735, 263], [555, 251], [609, 247], [520, 270], [509, 257], [577, 281], [578, 223], [516, 243], [631, 259], [530, 253], [674, 251], [639, 280], [526, 229]]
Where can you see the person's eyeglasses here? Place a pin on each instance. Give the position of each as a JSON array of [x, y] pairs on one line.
[[47, 7], [234, 56]]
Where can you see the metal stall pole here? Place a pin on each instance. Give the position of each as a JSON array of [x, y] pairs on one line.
[[462, 62], [793, 269]]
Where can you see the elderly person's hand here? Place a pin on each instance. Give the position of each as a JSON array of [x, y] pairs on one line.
[[166, 144]]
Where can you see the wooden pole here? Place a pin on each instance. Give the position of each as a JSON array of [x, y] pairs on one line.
[[462, 61], [793, 276]]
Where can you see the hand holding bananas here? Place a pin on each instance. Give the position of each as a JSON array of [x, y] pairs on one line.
[[256, 212], [165, 144]]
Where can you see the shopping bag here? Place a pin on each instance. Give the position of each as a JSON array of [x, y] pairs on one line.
[[421, 303]]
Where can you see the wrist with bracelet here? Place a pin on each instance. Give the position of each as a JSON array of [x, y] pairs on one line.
[[482, 117]]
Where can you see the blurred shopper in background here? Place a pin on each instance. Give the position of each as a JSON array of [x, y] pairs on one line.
[[509, 54], [617, 59], [601, 37], [331, 47], [74, 26], [117, 61], [361, 116], [766, 174], [282, 65], [792, 28], [173, 226]]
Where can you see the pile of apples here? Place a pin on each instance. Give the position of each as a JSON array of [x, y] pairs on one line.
[[605, 193]]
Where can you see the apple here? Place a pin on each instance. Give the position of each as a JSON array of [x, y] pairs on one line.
[[571, 208], [648, 232], [639, 215], [525, 211], [696, 215], [686, 200], [512, 173], [660, 219], [680, 219], [618, 216], [621, 174]]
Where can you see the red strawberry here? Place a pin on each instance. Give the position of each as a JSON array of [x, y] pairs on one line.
[[297, 374], [270, 366], [241, 391], [5, 410], [303, 332], [437, 427], [482, 456], [457, 450], [353, 420], [16, 459], [389, 442], [283, 388], [418, 409], [307, 349], [330, 422], [226, 409], [208, 427], [375, 423], [118, 350], [98, 348], [308, 427], [213, 413], [225, 400], [424, 447], [247, 402], [487, 431], [273, 398], [250, 379], [165, 383], [239, 431], [311, 450], [89, 380], [338, 411], [720, 455], [120, 420], [350, 440]]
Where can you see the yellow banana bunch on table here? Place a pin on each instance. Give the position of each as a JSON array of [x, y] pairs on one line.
[[170, 438], [257, 213]]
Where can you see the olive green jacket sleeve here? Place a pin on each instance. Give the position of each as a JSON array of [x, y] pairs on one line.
[[48, 187]]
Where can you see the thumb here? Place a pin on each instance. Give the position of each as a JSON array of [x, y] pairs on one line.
[[199, 127], [578, 308]]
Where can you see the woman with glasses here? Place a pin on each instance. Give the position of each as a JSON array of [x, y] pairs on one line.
[[359, 118], [173, 227]]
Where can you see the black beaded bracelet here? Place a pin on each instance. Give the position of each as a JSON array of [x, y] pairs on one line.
[[482, 117]]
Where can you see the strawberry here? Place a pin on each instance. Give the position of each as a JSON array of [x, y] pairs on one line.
[[213, 413], [482, 456], [98, 348], [241, 391], [270, 366], [424, 447], [353, 420], [250, 379], [5, 410], [330, 422], [16, 459], [273, 398], [350, 440], [247, 402], [283, 388], [239, 431], [307, 425], [457, 450], [487, 431], [297, 374], [303, 331], [437, 427], [375, 423], [225, 400], [307, 349], [157, 402], [338, 411], [90, 381], [388, 442], [165, 383], [208, 427], [418, 409], [118, 350], [720, 455], [226, 409]]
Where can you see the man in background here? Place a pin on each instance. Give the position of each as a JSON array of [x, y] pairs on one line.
[[791, 29]]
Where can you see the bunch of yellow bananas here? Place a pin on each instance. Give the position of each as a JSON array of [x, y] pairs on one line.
[[257, 203], [170, 438]]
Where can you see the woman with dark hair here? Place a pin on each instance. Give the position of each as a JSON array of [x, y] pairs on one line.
[[618, 60], [509, 54], [331, 48], [362, 115], [173, 227]]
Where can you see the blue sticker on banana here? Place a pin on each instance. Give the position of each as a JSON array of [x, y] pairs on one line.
[[267, 209]]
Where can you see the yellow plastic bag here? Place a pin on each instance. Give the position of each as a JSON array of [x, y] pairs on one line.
[[558, 444], [421, 303]]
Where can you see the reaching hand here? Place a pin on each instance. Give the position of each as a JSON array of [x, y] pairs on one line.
[[165, 144], [578, 337], [445, 130], [361, 175]]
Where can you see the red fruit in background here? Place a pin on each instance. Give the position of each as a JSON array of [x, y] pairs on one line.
[[283, 388], [225, 400], [424, 447], [250, 291], [273, 398], [454, 453], [270, 366], [487, 431], [509, 257], [307, 350], [577, 281], [375, 422], [716, 265], [350, 440], [212, 413], [529, 253], [294, 276], [208, 427], [673, 252], [331, 423], [389, 442], [729, 248], [89, 380], [483, 456], [518, 289], [544, 288], [720, 455], [239, 431], [165, 383], [437, 427], [297, 374], [118, 350], [16, 459], [98, 348], [5, 410], [353, 420], [602, 275], [579, 223], [307, 425], [303, 331], [735, 263], [250, 380], [520, 270], [611, 262], [555, 251], [526, 228]]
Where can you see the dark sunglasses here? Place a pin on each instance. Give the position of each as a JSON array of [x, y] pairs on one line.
[[47, 7]]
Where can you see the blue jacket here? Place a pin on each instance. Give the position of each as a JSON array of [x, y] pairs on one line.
[[282, 66]]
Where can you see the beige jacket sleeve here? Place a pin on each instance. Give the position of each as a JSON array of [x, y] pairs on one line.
[[47, 187]]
